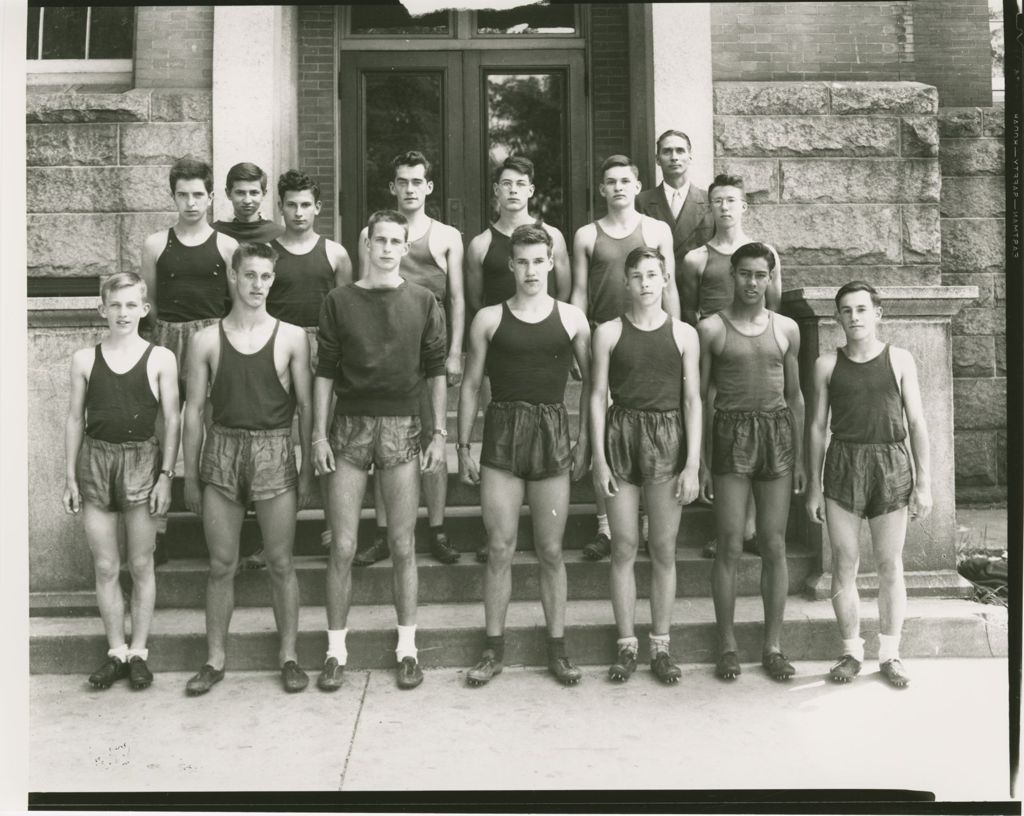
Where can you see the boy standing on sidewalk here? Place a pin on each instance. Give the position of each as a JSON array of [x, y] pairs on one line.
[[381, 343], [115, 467], [869, 386], [640, 445]]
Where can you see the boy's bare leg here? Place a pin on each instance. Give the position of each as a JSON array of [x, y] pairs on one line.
[[844, 534], [888, 534], [140, 528], [101, 535], [772, 500], [222, 525], [549, 508], [345, 488], [731, 495], [276, 517], [622, 517], [399, 486], [663, 513], [501, 497]]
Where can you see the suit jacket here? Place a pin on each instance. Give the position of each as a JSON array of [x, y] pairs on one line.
[[694, 226]]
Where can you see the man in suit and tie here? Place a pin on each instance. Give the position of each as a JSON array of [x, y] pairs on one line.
[[677, 202]]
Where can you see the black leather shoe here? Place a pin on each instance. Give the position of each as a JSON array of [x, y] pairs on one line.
[[138, 673], [410, 674], [293, 678], [377, 551], [331, 675], [109, 673], [442, 550], [665, 670], [564, 671], [623, 667], [204, 680], [488, 667]]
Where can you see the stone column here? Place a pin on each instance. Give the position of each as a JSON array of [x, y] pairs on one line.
[[682, 79], [255, 74], [917, 318]]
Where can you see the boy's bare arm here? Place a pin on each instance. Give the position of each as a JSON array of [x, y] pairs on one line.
[[74, 430], [562, 269], [921, 498], [816, 431], [582, 244], [456, 306], [795, 401]]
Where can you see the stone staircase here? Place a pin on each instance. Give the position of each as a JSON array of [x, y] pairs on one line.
[[66, 634]]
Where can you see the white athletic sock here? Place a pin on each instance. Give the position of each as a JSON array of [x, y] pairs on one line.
[[406, 642], [336, 645], [326, 539], [119, 652], [854, 647], [631, 643], [658, 643], [888, 647], [143, 653], [602, 525]]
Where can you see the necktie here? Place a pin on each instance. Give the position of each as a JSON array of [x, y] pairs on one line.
[[676, 204]]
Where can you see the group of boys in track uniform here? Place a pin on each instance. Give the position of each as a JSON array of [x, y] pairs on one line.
[[264, 333]]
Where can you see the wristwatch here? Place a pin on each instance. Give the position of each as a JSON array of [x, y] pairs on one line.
[[442, 431], [168, 473]]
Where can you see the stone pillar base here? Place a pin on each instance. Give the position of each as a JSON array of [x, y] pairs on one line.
[[944, 583]]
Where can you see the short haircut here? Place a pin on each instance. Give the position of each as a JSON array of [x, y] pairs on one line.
[[678, 133], [858, 286], [755, 249], [411, 158], [520, 164], [638, 255], [619, 160], [530, 235], [122, 280], [727, 180], [295, 181], [187, 168], [389, 217], [246, 171], [247, 249]]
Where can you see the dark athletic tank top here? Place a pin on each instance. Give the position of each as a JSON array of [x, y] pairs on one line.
[[499, 280], [646, 369], [716, 286], [247, 393], [300, 284], [529, 362], [748, 373], [865, 400], [419, 266], [120, 407], [607, 295], [191, 281], [255, 232]]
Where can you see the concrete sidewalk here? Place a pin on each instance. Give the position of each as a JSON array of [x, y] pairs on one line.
[[947, 733]]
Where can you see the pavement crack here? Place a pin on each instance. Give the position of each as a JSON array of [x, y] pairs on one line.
[[355, 728]]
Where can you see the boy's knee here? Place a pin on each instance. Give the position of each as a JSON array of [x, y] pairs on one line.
[[106, 569]]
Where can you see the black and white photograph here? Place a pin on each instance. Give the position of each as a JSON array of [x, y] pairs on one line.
[[479, 396]]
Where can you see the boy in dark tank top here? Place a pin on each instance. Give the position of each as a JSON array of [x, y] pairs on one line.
[[116, 469], [527, 345], [649, 363], [868, 386], [753, 435], [256, 372]]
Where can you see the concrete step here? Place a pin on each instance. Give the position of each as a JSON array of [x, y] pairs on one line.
[[182, 583], [451, 634], [463, 525]]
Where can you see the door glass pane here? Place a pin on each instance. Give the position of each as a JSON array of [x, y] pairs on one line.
[[528, 20], [394, 19], [110, 32], [64, 32], [403, 111], [33, 34], [527, 116]]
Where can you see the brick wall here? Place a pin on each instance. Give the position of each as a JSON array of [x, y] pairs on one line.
[[174, 47], [317, 125], [819, 40], [609, 88], [973, 207], [96, 174], [953, 51]]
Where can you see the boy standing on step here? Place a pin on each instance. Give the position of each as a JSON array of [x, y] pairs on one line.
[[527, 345], [640, 445], [381, 343], [750, 355], [256, 372], [434, 261], [599, 253], [116, 469], [869, 386]]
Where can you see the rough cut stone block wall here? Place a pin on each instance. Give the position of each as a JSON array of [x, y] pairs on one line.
[[317, 125], [973, 206], [174, 47], [96, 174], [609, 87], [819, 40], [842, 178]]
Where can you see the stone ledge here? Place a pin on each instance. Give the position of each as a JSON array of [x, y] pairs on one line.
[[759, 98], [73, 312], [181, 106], [802, 277], [130, 106], [898, 301], [882, 98]]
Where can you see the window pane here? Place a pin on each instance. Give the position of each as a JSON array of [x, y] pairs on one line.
[[527, 116], [110, 32], [64, 32], [394, 19], [528, 20], [32, 48], [404, 111]]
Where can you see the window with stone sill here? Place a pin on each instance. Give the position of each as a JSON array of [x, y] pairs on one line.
[[88, 45]]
